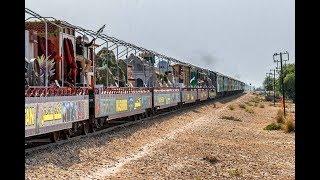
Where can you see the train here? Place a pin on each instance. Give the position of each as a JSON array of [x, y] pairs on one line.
[[124, 81]]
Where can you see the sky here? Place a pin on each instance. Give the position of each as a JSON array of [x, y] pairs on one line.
[[236, 38]]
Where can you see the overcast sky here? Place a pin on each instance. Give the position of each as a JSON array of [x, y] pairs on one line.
[[234, 37]]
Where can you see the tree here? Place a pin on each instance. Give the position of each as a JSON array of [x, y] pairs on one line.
[[289, 83], [288, 80], [268, 83]]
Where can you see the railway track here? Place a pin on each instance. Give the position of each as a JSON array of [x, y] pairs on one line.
[[30, 150]]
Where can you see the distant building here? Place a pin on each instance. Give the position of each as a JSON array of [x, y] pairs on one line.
[[163, 66]]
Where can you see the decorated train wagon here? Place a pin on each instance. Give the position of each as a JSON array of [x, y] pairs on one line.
[[51, 110], [166, 97], [121, 102]]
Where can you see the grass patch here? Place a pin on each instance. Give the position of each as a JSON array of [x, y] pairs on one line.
[[280, 117], [289, 125], [261, 106], [273, 126], [249, 110], [211, 159], [235, 172], [256, 99], [243, 106], [249, 103], [231, 107], [231, 118]]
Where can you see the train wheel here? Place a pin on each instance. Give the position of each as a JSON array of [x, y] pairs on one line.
[[86, 128], [101, 122], [55, 136], [95, 125], [67, 133]]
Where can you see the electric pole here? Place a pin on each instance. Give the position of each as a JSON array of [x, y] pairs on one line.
[[281, 75]]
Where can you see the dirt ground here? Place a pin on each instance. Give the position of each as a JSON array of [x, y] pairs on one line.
[[192, 144]]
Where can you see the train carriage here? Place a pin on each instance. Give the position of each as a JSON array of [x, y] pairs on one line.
[[166, 97], [56, 111], [114, 103]]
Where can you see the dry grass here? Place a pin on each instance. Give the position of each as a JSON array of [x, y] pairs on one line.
[[231, 107], [289, 125], [249, 110], [280, 117], [235, 172], [256, 99], [243, 106], [273, 126], [249, 103], [231, 118]]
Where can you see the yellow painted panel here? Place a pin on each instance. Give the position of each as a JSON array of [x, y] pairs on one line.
[[121, 105]]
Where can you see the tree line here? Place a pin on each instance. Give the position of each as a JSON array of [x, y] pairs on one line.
[[288, 81]]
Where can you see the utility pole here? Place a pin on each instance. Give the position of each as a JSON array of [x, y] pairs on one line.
[[282, 76]]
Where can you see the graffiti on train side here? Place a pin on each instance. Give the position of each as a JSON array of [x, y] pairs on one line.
[[111, 105], [121, 105], [166, 99], [30, 114]]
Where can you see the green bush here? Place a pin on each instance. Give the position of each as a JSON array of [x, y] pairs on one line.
[[273, 126]]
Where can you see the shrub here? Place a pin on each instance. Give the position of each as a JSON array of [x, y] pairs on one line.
[[231, 107], [248, 103], [256, 99], [279, 117], [273, 126], [261, 106], [230, 118], [242, 106], [289, 125], [211, 159], [249, 110], [235, 172]]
